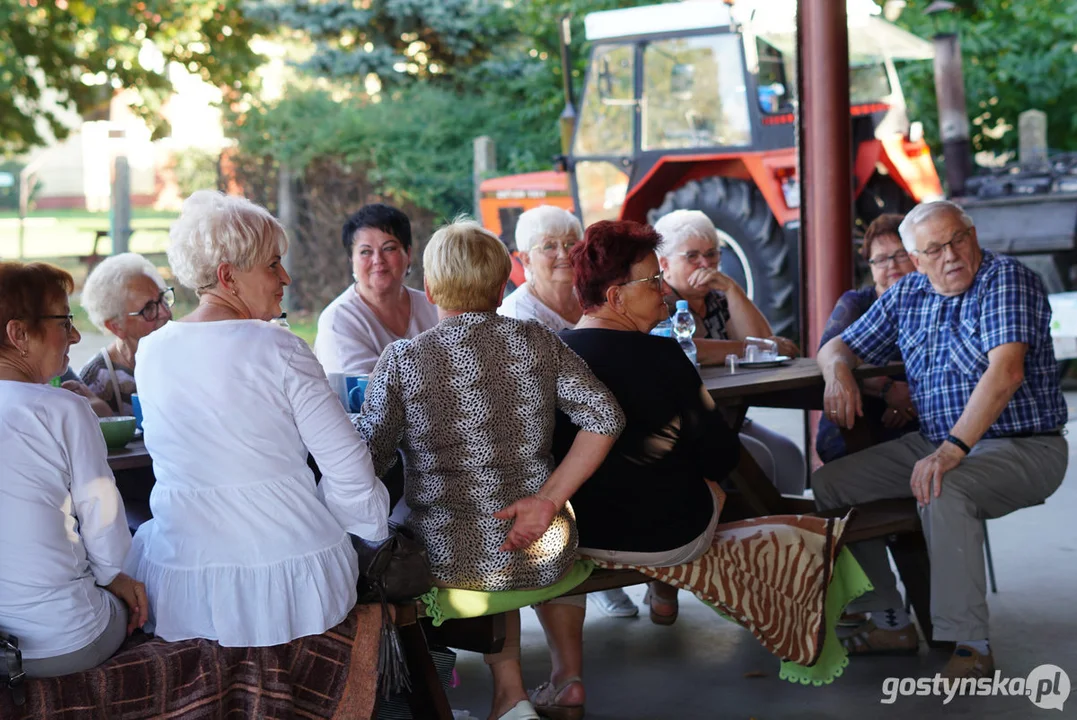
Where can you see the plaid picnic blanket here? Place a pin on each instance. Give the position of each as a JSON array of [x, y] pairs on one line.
[[332, 675]]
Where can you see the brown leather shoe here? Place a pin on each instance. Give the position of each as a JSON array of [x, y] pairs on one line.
[[869, 639], [967, 663]]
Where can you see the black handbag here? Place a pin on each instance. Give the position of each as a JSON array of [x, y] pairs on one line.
[[396, 569], [11, 672]]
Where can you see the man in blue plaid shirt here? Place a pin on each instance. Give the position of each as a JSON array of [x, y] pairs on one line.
[[973, 328]]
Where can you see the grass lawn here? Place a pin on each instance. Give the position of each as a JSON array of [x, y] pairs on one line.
[[70, 233]]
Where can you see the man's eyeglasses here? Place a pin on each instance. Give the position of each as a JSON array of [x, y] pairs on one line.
[[956, 242], [693, 256], [654, 280], [887, 260], [550, 247], [152, 309], [69, 321]]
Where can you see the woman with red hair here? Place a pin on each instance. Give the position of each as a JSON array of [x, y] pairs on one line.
[[648, 503]]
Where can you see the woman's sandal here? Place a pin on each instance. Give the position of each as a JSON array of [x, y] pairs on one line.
[[544, 699], [669, 610], [869, 639]]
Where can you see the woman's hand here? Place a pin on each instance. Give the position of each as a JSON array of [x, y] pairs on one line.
[[133, 594], [532, 516], [78, 388], [711, 279], [900, 410], [786, 346]]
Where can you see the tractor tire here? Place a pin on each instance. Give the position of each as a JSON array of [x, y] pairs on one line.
[[759, 257]]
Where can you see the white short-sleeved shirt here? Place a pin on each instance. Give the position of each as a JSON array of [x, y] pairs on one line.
[[63, 531], [243, 547], [351, 338], [522, 304]]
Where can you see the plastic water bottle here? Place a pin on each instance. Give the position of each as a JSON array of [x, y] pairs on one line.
[[684, 327], [663, 329], [281, 321]]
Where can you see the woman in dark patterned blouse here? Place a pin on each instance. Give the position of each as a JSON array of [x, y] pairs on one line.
[[689, 256], [884, 398], [472, 403]]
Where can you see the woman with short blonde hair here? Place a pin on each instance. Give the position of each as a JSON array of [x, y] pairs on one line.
[[243, 548], [471, 404]]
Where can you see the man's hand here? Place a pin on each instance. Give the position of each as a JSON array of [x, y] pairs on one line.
[[532, 516], [133, 594], [927, 475], [900, 410], [841, 399], [711, 279]]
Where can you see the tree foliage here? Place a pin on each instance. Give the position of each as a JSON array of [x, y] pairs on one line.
[[1017, 55], [74, 54]]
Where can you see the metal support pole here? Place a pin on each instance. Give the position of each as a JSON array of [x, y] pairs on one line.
[[826, 161], [953, 115], [289, 216]]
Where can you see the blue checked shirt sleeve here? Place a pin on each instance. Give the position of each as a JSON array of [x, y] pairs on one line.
[[874, 337], [1014, 309]]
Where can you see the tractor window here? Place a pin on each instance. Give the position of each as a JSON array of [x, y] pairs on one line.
[[868, 81], [609, 103], [602, 187], [694, 93], [776, 81]]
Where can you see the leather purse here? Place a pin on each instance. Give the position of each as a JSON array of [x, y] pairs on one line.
[[395, 569]]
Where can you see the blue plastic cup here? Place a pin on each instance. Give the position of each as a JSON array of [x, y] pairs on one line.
[[136, 410], [356, 389]]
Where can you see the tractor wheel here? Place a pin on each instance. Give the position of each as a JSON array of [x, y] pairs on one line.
[[757, 257]]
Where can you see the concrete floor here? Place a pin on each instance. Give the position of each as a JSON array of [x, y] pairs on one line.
[[704, 668]]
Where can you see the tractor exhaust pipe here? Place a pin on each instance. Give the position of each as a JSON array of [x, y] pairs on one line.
[[953, 115], [567, 121]]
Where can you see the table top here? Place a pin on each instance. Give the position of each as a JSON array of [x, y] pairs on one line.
[[134, 455], [799, 374]]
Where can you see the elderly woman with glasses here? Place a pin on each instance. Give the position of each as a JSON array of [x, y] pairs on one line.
[[472, 405], [689, 256], [886, 400], [63, 533], [243, 547], [125, 297], [648, 504], [544, 238], [377, 309]]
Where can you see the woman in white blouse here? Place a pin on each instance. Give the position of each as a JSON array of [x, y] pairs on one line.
[[378, 309], [544, 237], [63, 532], [243, 547], [471, 404]]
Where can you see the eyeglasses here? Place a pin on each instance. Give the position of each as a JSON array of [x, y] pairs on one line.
[[550, 247], [654, 280], [956, 242], [887, 260], [693, 256], [152, 309], [69, 323]]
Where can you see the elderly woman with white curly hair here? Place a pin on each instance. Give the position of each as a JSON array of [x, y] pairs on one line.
[[544, 238], [126, 297], [243, 547], [689, 258]]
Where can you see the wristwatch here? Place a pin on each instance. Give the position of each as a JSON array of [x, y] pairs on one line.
[[954, 440]]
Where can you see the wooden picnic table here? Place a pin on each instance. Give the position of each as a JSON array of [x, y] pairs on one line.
[[131, 457]]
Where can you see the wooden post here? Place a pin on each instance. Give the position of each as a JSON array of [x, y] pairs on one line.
[[1032, 142], [120, 225], [485, 164], [289, 217]]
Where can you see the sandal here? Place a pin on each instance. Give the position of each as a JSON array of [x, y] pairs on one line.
[[662, 612], [544, 699], [869, 639]]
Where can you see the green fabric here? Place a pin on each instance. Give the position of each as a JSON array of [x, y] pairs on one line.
[[453, 603]]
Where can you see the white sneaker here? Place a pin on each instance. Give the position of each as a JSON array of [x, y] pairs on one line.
[[615, 603]]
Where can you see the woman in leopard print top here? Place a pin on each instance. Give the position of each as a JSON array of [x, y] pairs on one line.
[[471, 403]]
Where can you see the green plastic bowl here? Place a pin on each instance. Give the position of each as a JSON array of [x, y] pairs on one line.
[[118, 430]]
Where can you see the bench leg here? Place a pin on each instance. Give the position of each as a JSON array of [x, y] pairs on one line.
[[914, 566], [427, 697]]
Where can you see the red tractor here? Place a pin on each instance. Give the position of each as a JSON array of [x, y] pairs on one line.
[[692, 105]]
